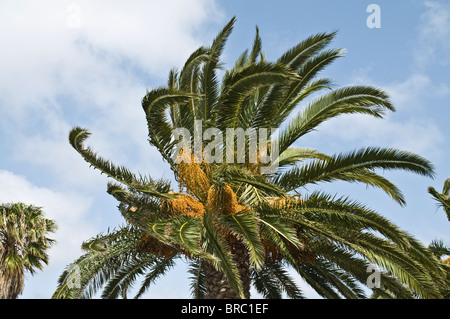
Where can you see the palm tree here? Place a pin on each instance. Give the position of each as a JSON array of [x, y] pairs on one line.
[[440, 250], [443, 198], [239, 225], [23, 245]]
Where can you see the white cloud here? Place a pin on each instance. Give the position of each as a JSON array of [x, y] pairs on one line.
[[55, 76], [433, 45], [41, 53], [43, 58], [153, 34], [44, 61], [415, 91]]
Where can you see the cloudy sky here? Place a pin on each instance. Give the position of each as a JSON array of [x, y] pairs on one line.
[[85, 63]]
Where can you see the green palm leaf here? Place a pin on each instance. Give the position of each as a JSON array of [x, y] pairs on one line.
[[209, 87], [443, 199], [245, 225], [357, 166], [198, 289], [272, 280], [347, 100], [121, 174], [238, 85]]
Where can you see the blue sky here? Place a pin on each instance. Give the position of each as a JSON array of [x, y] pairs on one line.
[[79, 63]]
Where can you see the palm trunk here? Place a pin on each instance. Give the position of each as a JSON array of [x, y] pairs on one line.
[[216, 284], [11, 284]]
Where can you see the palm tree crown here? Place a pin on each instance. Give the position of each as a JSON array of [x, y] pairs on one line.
[[23, 245], [236, 224]]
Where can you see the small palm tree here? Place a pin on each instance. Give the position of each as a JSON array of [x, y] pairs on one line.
[[23, 245], [236, 224], [443, 198]]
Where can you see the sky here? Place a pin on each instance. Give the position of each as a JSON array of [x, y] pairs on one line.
[[89, 64]]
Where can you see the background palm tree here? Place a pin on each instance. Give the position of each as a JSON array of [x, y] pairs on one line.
[[442, 253], [23, 245], [237, 226], [443, 198]]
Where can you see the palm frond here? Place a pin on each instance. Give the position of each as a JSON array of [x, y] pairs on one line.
[[346, 100], [157, 270], [241, 83], [245, 226], [295, 155], [443, 199], [155, 103], [198, 289], [357, 166], [438, 248], [91, 271], [272, 280], [307, 59], [277, 230], [284, 102], [189, 82], [266, 283], [123, 279], [250, 196], [182, 232], [296, 55], [209, 87], [256, 49], [121, 174], [241, 176]]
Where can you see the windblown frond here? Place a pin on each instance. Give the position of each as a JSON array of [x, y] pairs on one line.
[[209, 86], [121, 174]]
